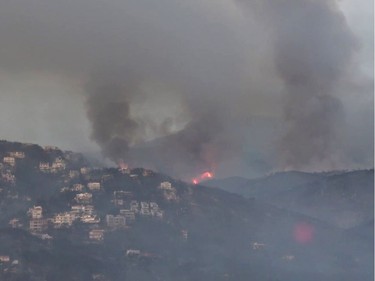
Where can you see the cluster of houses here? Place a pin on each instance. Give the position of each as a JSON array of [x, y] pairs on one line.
[[57, 165], [12, 157], [145, 209], [83, 185], [83, 213], [82, 210], [8, 164], [82, 207], [86, 214]]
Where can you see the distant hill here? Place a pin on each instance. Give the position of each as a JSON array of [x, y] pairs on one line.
[[265, 186], [343, 198], [228, 184]]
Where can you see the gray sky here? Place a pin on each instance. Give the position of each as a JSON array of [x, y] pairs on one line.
[[208, 75]]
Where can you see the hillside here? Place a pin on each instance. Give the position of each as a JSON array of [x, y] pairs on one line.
[[62, 219], [343, 199], [264, 187]]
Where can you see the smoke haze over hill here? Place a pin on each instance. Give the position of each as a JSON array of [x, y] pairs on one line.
[[183, 87]]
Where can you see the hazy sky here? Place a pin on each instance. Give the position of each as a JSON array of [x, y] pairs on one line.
[[213, 80]]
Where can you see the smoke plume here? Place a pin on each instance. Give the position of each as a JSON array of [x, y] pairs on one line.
[[176, 86], [313, 49]]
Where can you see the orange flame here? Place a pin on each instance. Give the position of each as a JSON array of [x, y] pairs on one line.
[[203, 176]]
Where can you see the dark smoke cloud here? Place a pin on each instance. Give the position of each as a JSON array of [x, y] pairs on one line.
[[212, 64], [109, 112], [311, 63], [313, 48]]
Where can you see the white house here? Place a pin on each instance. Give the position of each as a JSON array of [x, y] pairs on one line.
[[128, 214], [83, 197], [64, 219], [44, 167], [17, 154], [78, 187], [93, 185], [10, 161], [4, 259], [166, 185], [36, 212]]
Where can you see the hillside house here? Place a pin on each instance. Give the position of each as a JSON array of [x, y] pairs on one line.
[[170, 195], [155, 210], [145, 209], [88, 210], [96, 234], [258, 246], [166, 185], [184, 234], [73, 174], [154, 205], [169, 191], [91, 219], [128, 214], [64, 189], [44, 167], [121, 194], [118, 202], [15, 223], [17, 154], [133, 253], [62, 219], [134, 206], [145, 212], [8, 177], [115, 221], [45, 236], [79, 210], [9, 160], [83, 197], [37, 225], [78, 187], [58, 165], [145, 205], [4, 258], [159, 214], [93, 186], [36, 212]]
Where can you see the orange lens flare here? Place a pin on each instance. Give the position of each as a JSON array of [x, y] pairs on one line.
[[303, 233]]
